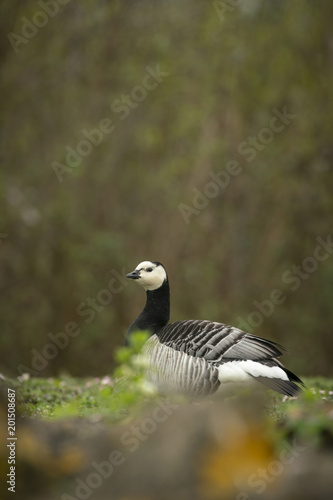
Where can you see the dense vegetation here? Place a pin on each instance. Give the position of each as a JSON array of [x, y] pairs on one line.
[[218, 162]]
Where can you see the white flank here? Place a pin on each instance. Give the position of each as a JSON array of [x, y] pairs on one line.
[[241, 371]]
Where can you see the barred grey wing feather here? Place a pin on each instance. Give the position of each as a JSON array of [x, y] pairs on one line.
[[174, 371], [217, 342]]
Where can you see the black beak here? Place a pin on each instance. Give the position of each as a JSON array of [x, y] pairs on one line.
[[134, 275]]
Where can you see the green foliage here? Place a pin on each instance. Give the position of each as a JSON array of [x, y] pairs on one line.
[[114, 398], [136, 341], [131, 389], [124, 396], [307, 417]]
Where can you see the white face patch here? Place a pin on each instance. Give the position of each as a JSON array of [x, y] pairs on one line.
[[152, 276]]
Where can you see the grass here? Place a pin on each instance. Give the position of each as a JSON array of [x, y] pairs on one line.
[[122, 396], [309, 416], [58, 412]]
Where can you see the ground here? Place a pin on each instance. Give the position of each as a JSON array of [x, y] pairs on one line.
[[66, 427]]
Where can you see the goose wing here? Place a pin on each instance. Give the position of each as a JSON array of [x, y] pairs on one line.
[[174, 371], [217, 342], [226, 353]]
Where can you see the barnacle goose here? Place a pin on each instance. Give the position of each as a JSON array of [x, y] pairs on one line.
[[196, 357]]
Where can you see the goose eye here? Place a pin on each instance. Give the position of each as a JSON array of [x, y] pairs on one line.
[[149, 270]]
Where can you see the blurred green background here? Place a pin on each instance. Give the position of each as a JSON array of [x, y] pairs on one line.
[[219, 73]]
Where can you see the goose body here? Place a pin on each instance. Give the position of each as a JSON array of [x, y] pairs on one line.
[[198, 357]]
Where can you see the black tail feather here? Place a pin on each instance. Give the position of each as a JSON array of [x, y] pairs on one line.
[[293, 377], [286, 387]]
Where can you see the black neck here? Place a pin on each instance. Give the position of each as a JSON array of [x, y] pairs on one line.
[[156, 312]]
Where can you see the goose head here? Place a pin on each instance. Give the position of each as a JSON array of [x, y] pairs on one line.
[[149, 274]]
